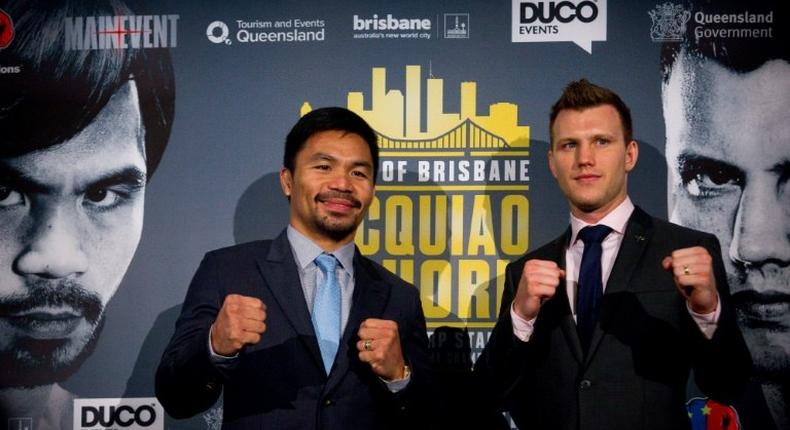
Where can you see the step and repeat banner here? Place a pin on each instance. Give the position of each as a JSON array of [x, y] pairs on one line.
[[136, 137]]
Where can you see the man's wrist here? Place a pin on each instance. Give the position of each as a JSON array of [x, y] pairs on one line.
[[522, 327], [396, 385], [405, 374]]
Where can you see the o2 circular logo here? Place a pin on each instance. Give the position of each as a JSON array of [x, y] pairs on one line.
[[6, 29], [218, 27]]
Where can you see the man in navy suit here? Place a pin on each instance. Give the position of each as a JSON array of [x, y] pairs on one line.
[[606, 339], [255, 323]]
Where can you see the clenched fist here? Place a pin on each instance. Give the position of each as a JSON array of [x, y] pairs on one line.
[[241, 321], [692, 270], [379, 346], [538, 283]]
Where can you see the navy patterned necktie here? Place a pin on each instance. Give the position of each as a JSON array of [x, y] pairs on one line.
[[326, 310], [590, 289]]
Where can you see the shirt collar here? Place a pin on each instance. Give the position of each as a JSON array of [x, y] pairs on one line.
[[616, 219], [306, 251]]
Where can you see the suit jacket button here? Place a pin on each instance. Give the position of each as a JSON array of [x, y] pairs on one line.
[[328, 402], [585, 384], [210, 386]]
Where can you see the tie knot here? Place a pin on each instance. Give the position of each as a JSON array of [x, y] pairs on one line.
[[327, 263], [594, 234]]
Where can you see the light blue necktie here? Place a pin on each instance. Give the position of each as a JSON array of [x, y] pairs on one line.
[[326, 310]]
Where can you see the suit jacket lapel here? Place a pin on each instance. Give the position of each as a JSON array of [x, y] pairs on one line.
[[635, 239], [371, 295], [557, 311], [281, 276]]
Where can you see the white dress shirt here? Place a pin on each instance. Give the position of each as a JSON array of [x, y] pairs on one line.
[[617, 220]]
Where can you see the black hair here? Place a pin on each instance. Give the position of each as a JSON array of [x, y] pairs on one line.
[[326, 119], [58, 92]]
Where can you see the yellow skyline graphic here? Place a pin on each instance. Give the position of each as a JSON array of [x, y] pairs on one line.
[[397, 118]]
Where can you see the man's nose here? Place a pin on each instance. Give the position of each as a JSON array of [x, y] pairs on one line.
[[760, 232], [585, 154], [341, 182], [55, 248]]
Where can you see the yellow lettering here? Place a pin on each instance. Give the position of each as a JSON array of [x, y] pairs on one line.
[[405, 271], [500, 284], [481, 227], [473, 283], [437, 223], [457, 225], [514, 238], [398, 230], [436, 290], [373, 242]]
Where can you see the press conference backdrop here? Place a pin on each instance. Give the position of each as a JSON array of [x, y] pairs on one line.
[[459, 94]]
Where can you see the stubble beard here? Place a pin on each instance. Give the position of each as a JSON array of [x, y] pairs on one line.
[[334, 229], [31, 362]]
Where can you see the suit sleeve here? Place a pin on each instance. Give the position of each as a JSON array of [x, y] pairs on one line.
[[498, 369], [722, 364], [410, 406], [186, 381]]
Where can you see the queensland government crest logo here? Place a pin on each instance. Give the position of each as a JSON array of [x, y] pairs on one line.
[[669, 22]]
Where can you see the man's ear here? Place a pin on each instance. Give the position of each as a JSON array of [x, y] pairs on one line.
[[631, 155], [550, 155], [286, 181]]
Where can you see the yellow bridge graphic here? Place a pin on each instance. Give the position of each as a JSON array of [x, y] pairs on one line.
[[467, 135]]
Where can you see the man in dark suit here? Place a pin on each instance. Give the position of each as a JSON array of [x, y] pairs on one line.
[[600, 328], [302, 331]]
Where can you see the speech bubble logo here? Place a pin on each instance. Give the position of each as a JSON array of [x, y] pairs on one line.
[[577, 21]]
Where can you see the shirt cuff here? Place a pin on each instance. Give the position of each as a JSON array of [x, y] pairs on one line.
[[522, 328], [707, 323], [217, 359], [398, 384]]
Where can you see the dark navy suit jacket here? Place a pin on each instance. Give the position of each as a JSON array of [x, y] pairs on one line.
[[644, 346], [280, 383]]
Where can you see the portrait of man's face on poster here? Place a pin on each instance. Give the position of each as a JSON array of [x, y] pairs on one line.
[[81, 133], [728, 156]]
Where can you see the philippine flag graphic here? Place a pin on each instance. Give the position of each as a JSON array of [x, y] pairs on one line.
[[706, 414]]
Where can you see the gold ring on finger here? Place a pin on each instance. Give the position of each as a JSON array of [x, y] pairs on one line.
[[367, 345], [686, 270]]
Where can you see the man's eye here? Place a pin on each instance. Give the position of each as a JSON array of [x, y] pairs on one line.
[[322, 166], [10, 197], [359, 174], [102, 198], [708, 178], [568, 145]]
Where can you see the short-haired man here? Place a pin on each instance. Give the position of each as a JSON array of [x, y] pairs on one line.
[[726, 105], [600, 328], [81, 134], [303, 331]]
